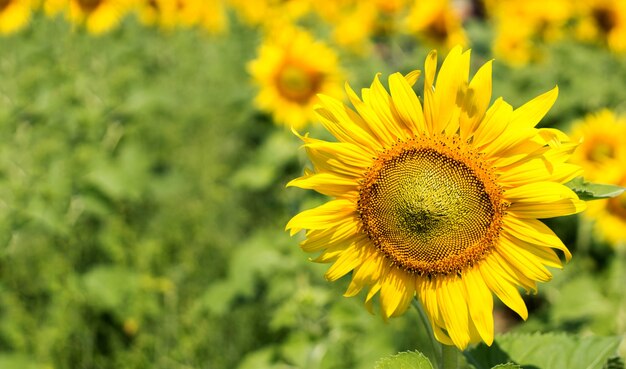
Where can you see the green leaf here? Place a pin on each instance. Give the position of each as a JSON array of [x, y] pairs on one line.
[[404, 360], [593, 191], [507, 366], [545, 351]]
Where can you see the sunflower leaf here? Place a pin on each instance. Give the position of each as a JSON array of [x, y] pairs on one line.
[[545, 351], [594, 191], [507, 366], [404, 360]]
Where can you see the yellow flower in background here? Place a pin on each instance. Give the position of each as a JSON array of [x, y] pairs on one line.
[[602, 154], [268, 12], [169, 14], [522, 27], [162, 13], [609, 216], [441, 201], [97, 16], [14, 15], [213, 18], [355, 23], [603, 21], [437, 23], [291, 69], [603, 144]]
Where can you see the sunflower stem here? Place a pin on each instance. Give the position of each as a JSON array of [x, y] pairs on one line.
[[449, 357], [434, 344]]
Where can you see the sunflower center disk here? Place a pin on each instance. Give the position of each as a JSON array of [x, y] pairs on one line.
[[297, 83], [429, 212]]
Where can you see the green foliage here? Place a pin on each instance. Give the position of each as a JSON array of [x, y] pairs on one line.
[[593, 191], [404, 360], [545, 351], [506, 366]]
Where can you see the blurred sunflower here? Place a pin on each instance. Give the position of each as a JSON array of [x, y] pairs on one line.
[[14, 15], [604, 21], [603, 144], [602, 154], [157, 13], [213, 18], [268, 12], [97, 16], [437, 22], [355, 23], [440, 202], [523, 27], [291, 69]]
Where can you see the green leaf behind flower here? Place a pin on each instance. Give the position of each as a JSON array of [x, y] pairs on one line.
[[545, 351], [404, 360], [594, 191], [507, 366]]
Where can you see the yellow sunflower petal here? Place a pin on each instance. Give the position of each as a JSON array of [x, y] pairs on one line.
[[531, 265], [317, 240], [495, 122], [492, 275], [327, 184], [529, 114], [543, 200], [343, 123], [448, 92], [451, 298], [480, 304], [476, 101], [407, 104], [535, 232], [412, 77], [430, 108], [366, 273], [349, 259], [382, 105], [396, 288], [324, 216]]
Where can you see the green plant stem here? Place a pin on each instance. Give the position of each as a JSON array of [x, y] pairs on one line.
[[449, 357], [446, 357], [434, 344]]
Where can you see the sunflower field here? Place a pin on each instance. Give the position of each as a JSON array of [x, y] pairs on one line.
[[374, 184]]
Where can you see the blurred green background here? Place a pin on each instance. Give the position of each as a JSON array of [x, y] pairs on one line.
[[143, 202]]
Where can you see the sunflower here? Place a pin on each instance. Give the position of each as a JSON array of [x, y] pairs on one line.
[[437, 22], [523, 27], [14, 15], [98, 16], [157, 12], [604, 21], [170, 14], [356, 24], [602, 155], [291, 68], [603, 144], [440, 202], [267, 12], [609, 216]]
